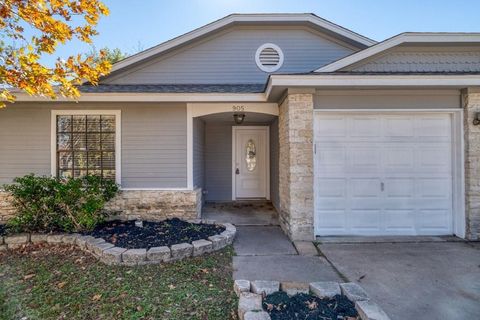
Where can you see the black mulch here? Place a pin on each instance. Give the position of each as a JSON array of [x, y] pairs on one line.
[[302, 306], [125, 234], [3, 230]]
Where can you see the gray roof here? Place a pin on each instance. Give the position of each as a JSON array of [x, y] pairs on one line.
[[174, 88]]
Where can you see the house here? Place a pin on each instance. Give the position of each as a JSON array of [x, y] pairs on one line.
[[344, 135]]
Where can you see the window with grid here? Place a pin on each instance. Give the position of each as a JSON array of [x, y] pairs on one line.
[[86, 146]]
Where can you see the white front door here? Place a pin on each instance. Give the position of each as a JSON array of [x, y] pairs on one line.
[[383, 174], [250, 162]]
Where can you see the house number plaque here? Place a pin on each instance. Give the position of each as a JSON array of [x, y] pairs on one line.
[[238, 108]]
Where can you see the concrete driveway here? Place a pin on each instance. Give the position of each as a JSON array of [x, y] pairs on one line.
[[433, 280]]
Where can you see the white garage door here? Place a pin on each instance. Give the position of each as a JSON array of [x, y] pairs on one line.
[[383, 174]]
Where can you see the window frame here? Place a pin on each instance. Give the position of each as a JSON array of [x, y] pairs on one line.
[[118, 135]]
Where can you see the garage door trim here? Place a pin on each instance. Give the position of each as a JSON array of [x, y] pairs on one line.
[[458, 168]]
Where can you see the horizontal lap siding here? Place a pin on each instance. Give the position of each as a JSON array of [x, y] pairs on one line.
[[218, 161], [154, 152], [198, 153], [387, 99], [154, 142], [230, 58], [24, 142]]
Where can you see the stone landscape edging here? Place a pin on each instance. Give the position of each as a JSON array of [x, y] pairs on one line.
[[109, 254], [250, 294]]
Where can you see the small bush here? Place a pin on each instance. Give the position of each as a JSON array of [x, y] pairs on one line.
[[46, 204]]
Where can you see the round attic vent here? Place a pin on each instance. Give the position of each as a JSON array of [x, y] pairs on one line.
[[269, 57]]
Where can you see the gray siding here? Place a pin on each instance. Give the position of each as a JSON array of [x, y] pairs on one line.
[[24, 142], [153, 142], [387, 99], [229, 57], [198, 153], [423, 59], [274, 165], [218, 162]]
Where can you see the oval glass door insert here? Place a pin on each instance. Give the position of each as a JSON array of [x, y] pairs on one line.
[[251, 155]]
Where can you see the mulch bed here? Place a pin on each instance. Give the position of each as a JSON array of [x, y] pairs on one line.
[[3, 230], [302, 306], [125, 234]]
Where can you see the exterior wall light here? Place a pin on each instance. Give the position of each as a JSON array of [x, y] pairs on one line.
[[239, 118], [476, 120]]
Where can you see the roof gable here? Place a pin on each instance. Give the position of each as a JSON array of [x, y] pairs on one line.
[[330, 29], [406, 48]]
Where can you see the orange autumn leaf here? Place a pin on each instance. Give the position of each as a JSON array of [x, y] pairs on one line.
[[51, 23]]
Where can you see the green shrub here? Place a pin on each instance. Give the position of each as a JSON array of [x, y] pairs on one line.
[[47, 204]]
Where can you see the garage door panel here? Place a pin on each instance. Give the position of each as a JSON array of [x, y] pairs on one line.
[[365, 126], [331, 221], [399, 187], [399, 127], [399, 158], [363, 158], [400, 221], [387, 174], [434, 127], [364, 187], [329, 127], [335, 188], [434, 188], [433, 220], [365, 221]]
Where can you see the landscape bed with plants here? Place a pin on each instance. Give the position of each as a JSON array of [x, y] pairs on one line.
[[71, 211]]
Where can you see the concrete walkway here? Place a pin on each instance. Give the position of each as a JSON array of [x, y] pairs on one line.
[[424, 280], [263, 251], [266, 253]]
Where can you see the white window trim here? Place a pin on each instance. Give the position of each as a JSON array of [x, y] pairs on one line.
[[458, 158], [272, 68], [118, 137]]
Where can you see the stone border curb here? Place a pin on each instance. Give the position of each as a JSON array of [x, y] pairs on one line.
[[250, 294], [109, 254]]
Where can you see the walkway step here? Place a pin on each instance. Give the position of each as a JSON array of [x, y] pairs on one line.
[[262, 241], [306, 248], [291, 268]]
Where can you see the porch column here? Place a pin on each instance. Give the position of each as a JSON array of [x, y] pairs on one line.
[[471, 105], [296, 164]]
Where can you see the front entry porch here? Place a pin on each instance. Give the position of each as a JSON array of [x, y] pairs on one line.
[[241, 213]]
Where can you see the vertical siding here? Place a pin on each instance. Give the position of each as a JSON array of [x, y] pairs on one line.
[[274, 164], [229, 57], [198, 153], [218, 162], [154, 142]]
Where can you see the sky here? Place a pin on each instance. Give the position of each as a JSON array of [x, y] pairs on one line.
[[135, 25]]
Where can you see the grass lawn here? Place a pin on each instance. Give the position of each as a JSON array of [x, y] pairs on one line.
[[64, 283]]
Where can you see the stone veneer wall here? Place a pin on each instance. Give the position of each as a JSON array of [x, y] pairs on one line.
[[296, 166], [471, 104], [156, 205], [140, 204], [6, 209]]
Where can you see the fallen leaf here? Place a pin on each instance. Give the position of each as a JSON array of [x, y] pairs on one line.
[[29, 276], [96, 297], [60, 285], [171, 287]]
